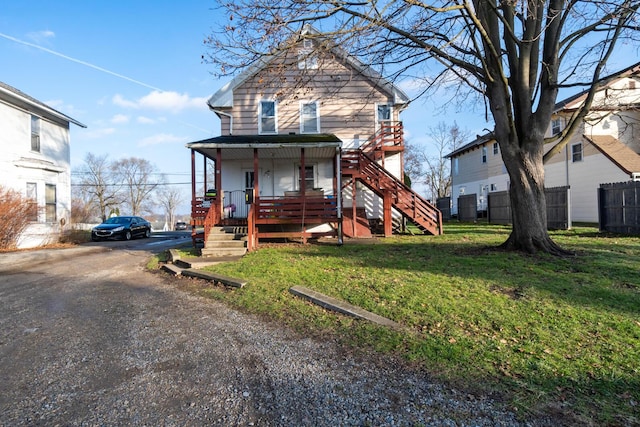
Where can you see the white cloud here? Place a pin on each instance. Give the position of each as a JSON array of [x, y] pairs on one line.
[[143, 120], [119, 119], [161, 138], [164, 101]]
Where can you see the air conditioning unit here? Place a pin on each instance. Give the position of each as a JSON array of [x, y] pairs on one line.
[[635, 176]]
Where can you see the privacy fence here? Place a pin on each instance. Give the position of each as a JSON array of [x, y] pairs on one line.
[[619, 207]]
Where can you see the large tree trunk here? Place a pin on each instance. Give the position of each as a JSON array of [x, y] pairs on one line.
[[528, 203]]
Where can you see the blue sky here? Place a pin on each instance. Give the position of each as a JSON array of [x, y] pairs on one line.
[[132, 72]]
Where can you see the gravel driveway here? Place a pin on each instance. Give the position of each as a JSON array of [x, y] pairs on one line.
[[97, 340]]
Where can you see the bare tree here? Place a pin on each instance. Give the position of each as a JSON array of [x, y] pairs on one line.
[[515, 56], [96, 184], [137, 178], [427, 163], [169, 198], [16, 213]]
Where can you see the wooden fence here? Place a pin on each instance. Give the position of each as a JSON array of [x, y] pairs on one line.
[[444, 205], [619, 207], [468, 207], [557, 199]]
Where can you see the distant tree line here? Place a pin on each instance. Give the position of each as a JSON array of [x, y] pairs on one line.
[[129, 186]]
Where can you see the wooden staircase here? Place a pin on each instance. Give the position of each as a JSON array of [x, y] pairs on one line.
[[361, 167], [225, 241]]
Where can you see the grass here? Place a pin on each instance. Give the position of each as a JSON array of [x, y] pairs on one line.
[[548, 334]]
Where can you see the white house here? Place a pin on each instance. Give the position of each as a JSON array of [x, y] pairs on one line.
[[605, 149], [35, 161]]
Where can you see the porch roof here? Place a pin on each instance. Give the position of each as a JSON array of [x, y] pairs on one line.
[[272, 146]]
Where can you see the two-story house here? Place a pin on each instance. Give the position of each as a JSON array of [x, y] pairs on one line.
[[604, 149], [35, 161], [311, 144]]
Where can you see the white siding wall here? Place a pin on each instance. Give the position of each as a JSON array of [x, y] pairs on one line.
[[19, 165]]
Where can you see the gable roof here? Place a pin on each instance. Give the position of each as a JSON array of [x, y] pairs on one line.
[[568, 102], [19, 97], [223, 98], [620, 154]]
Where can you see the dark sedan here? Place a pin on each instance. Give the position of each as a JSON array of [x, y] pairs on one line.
[[121, 227]]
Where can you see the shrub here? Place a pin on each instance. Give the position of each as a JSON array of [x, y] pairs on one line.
[[16, 212]]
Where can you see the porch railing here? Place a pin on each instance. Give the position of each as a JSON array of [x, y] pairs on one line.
[[295, 210], [390, 135]]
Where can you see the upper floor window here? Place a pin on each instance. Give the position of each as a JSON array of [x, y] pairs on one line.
[[267, 117], [456, 166], [576, 152], [484, 154], [496, 149], [556, 126], [307, 58], [384, 113], [309, 117], [35, 133], [50, 202]]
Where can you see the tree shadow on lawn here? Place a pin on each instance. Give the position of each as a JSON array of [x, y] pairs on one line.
[[589, 279]]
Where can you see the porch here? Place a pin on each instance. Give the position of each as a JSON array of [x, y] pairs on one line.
[[277, 186]]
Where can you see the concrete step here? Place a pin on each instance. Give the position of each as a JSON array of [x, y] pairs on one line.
[[227, 236], [225, 243], [222, 252]]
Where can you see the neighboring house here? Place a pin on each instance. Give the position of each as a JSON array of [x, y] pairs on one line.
[[35, 161], [303, 134], [605, 149]]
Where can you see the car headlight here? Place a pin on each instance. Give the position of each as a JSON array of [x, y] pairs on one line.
[[118, 228]]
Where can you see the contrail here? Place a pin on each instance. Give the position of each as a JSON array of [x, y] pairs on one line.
[[95, 67]]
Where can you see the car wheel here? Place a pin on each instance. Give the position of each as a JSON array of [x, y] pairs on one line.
[[147, 233], [127, 235], [95, 238]]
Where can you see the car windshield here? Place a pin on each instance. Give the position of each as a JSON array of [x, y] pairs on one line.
[[118, 220]]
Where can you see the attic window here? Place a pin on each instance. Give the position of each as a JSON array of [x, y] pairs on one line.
[[307, 60]]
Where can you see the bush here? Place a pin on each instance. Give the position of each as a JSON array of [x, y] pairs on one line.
[[16, 212]]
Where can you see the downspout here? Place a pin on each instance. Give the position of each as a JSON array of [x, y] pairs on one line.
[[225, 114]]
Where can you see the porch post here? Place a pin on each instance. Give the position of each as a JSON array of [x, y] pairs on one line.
[[218, 183], [193, 178], [253, 211], [354, 197], [386, 208], [303, 174], [337, 192]]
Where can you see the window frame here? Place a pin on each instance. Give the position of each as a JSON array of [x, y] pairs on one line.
[[484, 154], [35, 134], [314, 178], [575, 152], [303, 118], [261, 117], [556, 126], [390, 111], [32, 197], [496, 148], [51, 203]]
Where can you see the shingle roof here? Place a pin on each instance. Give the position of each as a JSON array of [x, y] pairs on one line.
[[620, 154]]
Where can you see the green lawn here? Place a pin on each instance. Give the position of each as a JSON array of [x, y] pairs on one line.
[[549, 334]]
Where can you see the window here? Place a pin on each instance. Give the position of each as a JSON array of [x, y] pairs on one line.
[[493, 187], [50, 202], [35, 133], [455, 166], [32, 195], [307, 59], [484, 154], [496, 149], [309, 117], [309, 177], [556, 126], [384, 113], [267, 113], [576, 152]]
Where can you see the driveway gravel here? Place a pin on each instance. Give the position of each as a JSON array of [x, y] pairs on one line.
[[97, 340]]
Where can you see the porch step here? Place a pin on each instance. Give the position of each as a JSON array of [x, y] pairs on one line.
[[225, 241]]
